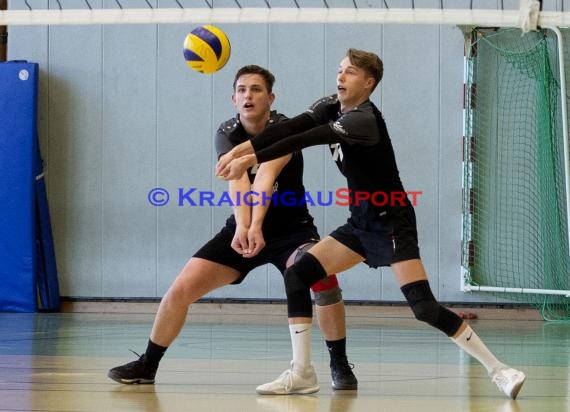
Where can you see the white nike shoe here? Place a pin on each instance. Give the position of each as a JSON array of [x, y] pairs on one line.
[[508, 380], [295, 380]]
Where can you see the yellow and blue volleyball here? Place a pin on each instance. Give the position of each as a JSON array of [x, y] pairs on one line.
[[206, 49]]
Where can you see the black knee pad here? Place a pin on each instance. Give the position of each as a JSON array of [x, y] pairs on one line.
[[298, 280], [304, 274], [301, 250], [299, 302], [427, 309]]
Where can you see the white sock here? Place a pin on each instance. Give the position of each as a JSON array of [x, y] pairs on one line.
[[301, 343], [470, 343]]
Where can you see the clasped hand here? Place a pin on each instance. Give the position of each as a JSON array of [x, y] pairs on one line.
[[230, 167], [248, 242]]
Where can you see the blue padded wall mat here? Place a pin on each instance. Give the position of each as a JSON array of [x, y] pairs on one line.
[[18, 140]]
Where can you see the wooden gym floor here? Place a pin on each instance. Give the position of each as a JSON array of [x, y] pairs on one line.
[[58, 362]]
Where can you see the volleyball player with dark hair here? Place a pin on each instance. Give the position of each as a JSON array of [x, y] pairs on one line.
[[257, 233]]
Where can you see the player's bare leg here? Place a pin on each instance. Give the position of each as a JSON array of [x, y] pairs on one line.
[[331, 318], [197, 278], [412, 278]]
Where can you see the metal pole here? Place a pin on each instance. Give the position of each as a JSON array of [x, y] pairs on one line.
[[499, 289], [564, 110]]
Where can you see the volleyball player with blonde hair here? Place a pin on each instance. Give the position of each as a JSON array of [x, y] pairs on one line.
[[375, 233]]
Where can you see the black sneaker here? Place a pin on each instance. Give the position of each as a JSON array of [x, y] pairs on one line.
[[133, 372], [342, 376]]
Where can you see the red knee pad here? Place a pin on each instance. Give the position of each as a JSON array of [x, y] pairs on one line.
[[330, 282]]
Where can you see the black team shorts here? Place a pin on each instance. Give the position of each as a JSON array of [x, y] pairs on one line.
[[383, 240], [277, 249]]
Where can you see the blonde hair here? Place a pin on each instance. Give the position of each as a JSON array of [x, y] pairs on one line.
[[369, 62]]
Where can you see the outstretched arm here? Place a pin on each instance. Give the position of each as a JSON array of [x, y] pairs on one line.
[[269, 136], [263, 184], [242, 214], [318, 135], [265, 147]]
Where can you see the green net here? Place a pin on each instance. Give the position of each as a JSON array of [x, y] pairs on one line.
[[514, 228]]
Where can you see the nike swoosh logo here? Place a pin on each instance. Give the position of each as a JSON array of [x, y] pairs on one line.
[[304, 330], [469, 337]]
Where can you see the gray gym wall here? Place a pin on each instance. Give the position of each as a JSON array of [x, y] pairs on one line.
[[120, 113]]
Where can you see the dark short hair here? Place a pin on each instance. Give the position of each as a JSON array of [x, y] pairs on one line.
[[268, 77], [369, 62]]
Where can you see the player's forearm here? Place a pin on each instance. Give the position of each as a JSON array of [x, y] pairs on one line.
[[259, 210], [242, 149], [278, 131], [264, 184], [242, 211], [316, 136]]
